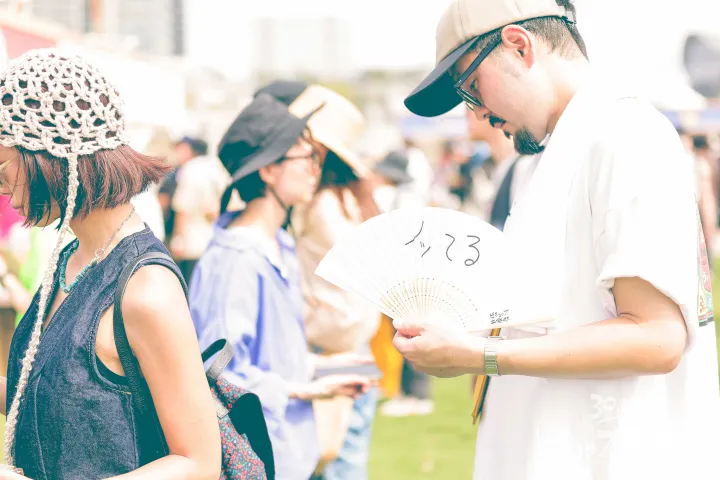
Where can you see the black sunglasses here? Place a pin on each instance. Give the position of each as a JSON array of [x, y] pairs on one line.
[[470, 101]]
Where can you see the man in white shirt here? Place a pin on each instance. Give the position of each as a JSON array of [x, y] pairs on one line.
[[621, 381]]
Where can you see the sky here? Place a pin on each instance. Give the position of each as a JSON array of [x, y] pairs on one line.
[[637, 37], [387, 33]]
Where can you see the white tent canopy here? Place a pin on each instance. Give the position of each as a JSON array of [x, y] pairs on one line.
[[154, 93], [672, 92]]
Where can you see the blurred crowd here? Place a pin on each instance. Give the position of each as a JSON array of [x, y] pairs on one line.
[[216, 213]]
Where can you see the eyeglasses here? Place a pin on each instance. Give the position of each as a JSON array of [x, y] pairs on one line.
[[495, 40], [314, 156], [470, 100]]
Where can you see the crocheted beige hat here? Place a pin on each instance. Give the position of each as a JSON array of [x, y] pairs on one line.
[[61, 104]]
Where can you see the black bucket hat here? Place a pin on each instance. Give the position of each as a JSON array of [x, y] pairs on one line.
[[260, 136], [286, 91], [394, 167]]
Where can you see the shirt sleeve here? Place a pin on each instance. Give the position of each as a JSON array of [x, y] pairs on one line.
[[224, 299], [645, 221]]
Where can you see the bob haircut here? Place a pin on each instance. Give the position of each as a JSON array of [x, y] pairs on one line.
[[107, 178]]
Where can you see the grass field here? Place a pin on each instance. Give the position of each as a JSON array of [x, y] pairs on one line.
[[441, 445]]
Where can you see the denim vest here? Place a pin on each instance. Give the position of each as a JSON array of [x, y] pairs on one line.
[[76, 418]]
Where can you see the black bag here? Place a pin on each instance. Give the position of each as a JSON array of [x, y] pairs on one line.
[[247, 451]]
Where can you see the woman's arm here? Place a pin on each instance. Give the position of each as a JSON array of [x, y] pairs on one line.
[[227, 311], [20, 298], [162, 337]]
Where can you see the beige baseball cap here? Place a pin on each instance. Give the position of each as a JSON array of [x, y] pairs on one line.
[[461, 24]]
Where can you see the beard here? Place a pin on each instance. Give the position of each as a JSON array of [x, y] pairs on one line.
[[523, 140], [525, 143]]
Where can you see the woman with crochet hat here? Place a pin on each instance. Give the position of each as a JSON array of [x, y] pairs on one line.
[[64, 155]]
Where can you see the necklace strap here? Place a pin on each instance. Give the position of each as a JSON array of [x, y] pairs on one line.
[[100, 252], [99, 255]]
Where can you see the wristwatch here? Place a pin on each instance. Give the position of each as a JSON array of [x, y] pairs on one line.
[[491, 366]]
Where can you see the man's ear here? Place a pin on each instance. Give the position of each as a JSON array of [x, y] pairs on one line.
[[519, 43]]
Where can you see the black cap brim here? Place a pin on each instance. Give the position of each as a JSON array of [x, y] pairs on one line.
[[436, 93]]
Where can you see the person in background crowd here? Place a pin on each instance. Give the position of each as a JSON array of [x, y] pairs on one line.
[[246, 287], [336, 321], [69, 412], [185, 150], [196, 205], [497, 185], [483, 181], [149, 209], [476, 163], [9, 217], [418, 192], [706, 187], [706, 149], [37, 246], [454, 154], [414, 395], [392, 173]]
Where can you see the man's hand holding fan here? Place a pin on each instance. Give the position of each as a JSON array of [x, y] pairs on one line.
[[444, 278]]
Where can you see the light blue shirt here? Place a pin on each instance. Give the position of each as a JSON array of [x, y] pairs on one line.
[[238, 294]]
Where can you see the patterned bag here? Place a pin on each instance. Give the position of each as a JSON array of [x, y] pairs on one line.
[[246, 447], [247, 451]]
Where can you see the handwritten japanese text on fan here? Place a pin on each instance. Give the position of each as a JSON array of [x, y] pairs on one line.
[[425, 248]]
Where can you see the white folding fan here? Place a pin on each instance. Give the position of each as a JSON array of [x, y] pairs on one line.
[[429, 265]]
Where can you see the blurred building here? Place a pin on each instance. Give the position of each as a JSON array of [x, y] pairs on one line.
[[152, 26], [73, 14], [303, 47]]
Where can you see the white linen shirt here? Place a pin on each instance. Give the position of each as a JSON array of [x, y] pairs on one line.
[[612, 196]]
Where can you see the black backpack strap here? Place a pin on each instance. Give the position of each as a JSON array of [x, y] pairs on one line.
[[246, 414], [150, 434], [222, 361]]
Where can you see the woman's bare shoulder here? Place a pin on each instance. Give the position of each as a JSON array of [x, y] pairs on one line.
[[154, 297]]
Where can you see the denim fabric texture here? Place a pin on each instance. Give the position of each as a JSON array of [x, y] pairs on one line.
[[74, 423]]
